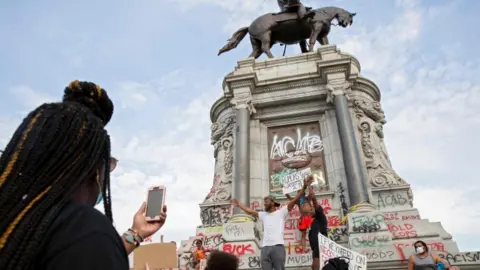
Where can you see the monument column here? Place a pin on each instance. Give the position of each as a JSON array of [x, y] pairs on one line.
[[355, 170], [242, 100]]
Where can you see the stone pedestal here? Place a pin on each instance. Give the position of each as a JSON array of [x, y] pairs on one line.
[[311, 110], [242, 238]]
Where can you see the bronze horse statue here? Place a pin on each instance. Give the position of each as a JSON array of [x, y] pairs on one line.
[[286, 28]]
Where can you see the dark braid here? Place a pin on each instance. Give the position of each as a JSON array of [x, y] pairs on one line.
[[55, 150]]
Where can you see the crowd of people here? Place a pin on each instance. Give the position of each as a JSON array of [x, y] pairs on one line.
[[56, 168]]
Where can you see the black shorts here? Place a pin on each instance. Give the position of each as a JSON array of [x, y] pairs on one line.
[[315, 252], [314, 247], [312, 236]]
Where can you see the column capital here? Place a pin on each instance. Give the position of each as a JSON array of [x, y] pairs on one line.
[[337, 89], [243, 100]]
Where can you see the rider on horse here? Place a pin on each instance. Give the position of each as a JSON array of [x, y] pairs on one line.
[[294, 6]]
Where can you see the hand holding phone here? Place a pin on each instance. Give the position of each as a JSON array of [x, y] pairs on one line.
[[155, 203]]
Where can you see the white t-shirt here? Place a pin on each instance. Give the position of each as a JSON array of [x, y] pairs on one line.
[[273, 225]]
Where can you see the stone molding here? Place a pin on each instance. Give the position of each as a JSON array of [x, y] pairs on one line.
[[337, 89], [313, 70], [243, 101]]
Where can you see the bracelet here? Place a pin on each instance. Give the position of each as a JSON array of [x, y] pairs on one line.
[[132, 237], [135, 233]]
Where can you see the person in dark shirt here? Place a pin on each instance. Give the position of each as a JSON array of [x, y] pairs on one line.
[[53, 172], [218, 260], [319, 225]]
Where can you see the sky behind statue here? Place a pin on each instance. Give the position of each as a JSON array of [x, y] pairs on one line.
[[422, 57]]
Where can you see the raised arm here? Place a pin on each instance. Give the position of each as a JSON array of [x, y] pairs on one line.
[[313, 198], [245, 208], [301, 193]]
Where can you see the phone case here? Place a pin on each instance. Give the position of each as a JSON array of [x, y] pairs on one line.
[[155, 218]]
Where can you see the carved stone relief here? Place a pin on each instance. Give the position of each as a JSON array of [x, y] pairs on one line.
[[370, 119], [223, 144]]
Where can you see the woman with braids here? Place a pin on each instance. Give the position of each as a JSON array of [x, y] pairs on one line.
[[53, 172]]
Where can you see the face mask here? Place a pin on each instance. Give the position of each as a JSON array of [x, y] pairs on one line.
[[419, 250]]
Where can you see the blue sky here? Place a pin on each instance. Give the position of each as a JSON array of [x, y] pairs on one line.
[[157, 60]]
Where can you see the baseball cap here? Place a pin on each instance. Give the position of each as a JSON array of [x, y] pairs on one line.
[[270, 197]]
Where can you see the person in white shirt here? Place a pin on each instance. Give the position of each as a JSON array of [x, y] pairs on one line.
[[273, 254]]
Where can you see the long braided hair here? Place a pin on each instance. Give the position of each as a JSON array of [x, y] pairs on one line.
[[56, 149]]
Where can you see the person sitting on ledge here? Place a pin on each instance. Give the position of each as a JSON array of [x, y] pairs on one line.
[[198, 254], [423, 259]]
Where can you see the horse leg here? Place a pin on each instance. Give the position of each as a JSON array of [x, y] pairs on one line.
[[257, 48], [266, 44], [316, 29], [303, 46], [323, 40]]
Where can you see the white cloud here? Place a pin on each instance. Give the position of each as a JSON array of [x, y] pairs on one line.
[[29, 97], [7, 128], [433, 109], [431, 102], [453, 206], [180, 158], [137, 95]]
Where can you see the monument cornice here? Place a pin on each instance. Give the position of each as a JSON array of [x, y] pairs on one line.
[[342, 65], [366, 86], [287, 82], [390, 188], [235, 81], [218, 107]]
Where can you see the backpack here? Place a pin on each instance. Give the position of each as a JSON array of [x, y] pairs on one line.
[[338, 263]]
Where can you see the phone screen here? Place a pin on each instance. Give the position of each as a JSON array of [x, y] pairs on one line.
[[154, 202]]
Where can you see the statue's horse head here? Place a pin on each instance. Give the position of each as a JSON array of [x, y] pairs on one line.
[[345, 18]]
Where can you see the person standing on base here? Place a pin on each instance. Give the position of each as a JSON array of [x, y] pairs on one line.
[[319, 225], [273, 254]]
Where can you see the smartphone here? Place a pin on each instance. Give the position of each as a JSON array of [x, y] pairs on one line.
[[155, 202]]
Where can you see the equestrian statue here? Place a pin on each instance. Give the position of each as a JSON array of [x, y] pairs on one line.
[[292, 25]]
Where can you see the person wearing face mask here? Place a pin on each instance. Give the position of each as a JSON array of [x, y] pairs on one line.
[[53, 172], [423, 259]]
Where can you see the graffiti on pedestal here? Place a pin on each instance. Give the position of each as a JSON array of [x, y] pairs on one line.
[[292, 148], [368, 240], [341, 191], [403, 230], [339, 234], [215, 215], [461, 258], [366, 223], [222, 141], [403, 216], [392, 199]]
